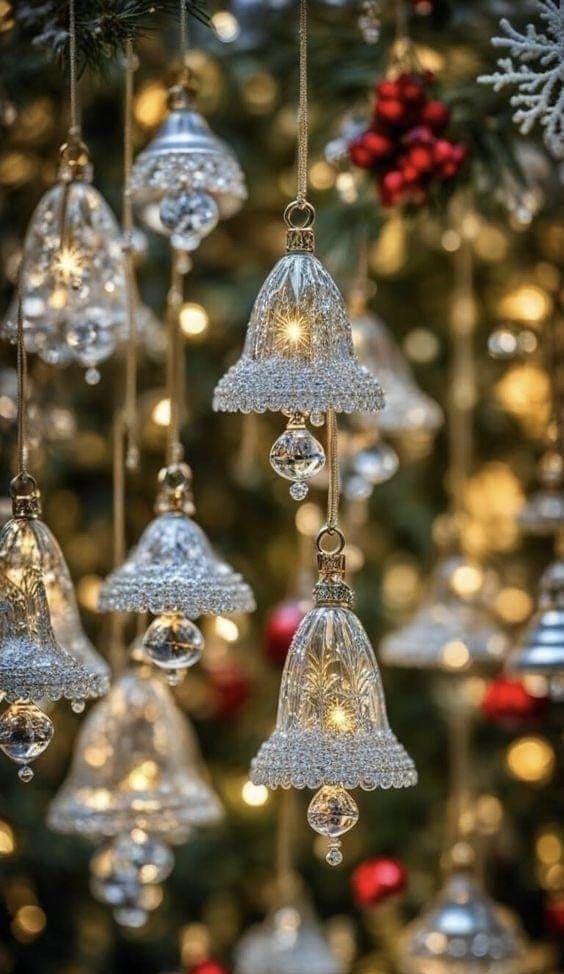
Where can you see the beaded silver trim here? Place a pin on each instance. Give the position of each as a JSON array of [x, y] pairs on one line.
[[173, 568]]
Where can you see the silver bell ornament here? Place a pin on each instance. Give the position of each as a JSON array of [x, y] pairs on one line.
[[542, 651], [298, 354], [453, 630], [187, 178], [73, 272], [332, 731], [297, 456], [136, 766]]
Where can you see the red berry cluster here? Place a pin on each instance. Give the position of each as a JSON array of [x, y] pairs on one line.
[[405, 146]]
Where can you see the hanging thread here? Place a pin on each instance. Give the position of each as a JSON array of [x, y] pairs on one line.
[[175, 362], [183, 32], [73, 73], [333, 470], [303, 122], [130, 407], [22, 451]]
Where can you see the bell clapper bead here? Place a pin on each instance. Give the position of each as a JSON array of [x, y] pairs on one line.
[[77, 706], [25, 774], [297, 455], [334, 856], [332, 812], [173, 643]]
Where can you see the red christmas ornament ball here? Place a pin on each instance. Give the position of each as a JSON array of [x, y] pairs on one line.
[[554, 917], [375, 880], [360, 155], [388, 89], [507, 700], [231, 690], [280, 628], [390, 111], [436, 115], [207, 967], [421, 158]]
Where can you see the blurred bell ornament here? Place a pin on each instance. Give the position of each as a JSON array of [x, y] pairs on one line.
[[543, 513], [133, 855], [377, 879], [187, 178], [136, 765], [25, 732], [26, 542], [117, 882], [542, 651], [297, 456], [453, 630], [298, 354], [508, 702], [73, 272], [332, 730], [463, 932], [173, 569], [44, 655]]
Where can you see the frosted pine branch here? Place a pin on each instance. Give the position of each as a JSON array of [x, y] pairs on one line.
[[535, 68]]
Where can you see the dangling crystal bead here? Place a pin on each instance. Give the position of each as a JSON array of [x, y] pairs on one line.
[[297, 455], [189, 217], [25, 732], [77, 706], [173, 642], [377, 464], [25, 774], [332, 812], [317, 419]]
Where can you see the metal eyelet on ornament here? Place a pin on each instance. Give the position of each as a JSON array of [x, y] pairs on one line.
[[25, 732], [173, 643], [332, 812], [297, 455]]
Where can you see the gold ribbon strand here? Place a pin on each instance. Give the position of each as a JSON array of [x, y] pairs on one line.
[[303, 120]]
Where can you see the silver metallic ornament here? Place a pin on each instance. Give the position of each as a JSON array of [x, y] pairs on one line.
[[542, 651], [184, 162], [25, 732], [298, 354]]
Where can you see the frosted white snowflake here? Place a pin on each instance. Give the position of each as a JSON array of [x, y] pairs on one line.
[[539, 77]]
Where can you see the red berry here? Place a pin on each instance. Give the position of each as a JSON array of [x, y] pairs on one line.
[[421, 157], [376, 880], [359, 155], [410, 174], [388, 89], [460, 152], [413, 93], [378, 145], [392, 187], [442, 151], [419, 135], [436, 115], [391, 111]]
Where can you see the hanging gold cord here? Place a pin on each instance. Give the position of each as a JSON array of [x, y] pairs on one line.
[[333, 471], [175, 360], [130, 408], [73, 73], [303, 122], [22, 449], [285, 879], [183, 32]]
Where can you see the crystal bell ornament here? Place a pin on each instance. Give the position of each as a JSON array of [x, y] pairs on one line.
[[124, 872], [543, 513], [187, 178], [463, 932], [297, 456], [74, 285], [136, 765], [298, 355], [542, 651], [332, 730], [453, 630], [407, 409], [26, 542]]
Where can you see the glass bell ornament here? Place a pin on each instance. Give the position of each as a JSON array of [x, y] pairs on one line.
[[74, 285], [25, 732], [136, 765], [542, 650], [187, 178], [117, 881], [407, 409], [543, 513], [463, 932], [297, 456], [173, 643], [298, 354], [453, 630], [37, 663], [27, 543], [173, 568], [332, 727]]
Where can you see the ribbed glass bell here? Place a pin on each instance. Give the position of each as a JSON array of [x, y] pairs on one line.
[[44, 654], [542, 651], [74, 286], [332, 731], [407, 409], [173, 568], [463, 932], [298, 354], [453, 630], [187, 178], [136, 765]]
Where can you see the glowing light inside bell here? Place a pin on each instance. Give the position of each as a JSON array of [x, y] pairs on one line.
[[340, 718], [58, 299], [143, 776], [292, 332], [69, 265], [254, 795]]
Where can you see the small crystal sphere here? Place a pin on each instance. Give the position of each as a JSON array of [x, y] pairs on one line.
[[91, 339], [25, 732], [334, 856], [502, 343], [377, 464], [296, 454], [332, 811], [299, 491], [190, 216], [173, 642]]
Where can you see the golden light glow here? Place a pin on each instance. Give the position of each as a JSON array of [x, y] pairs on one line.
[[401, 586], [340, 718], [160, 413], [346, 187], [528, 303], [322, 175], [531, 759], [150, 104], [195, 944], [226, 629], [87, 592], [493, 497], [292, 334], [96, 756], [489, 814], [524, 392], [144, 776], [7, 839], [254, 795], [29, 922], [450, 241], [58, 299], [260, 91], [309, 518], [389, 254], [194, 319], [467, 580], [69, 264], [421, 345], [513, 605], [549, 847], [226, 26], [455, 655]]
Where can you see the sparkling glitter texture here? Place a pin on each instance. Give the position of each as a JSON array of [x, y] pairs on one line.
[[136, 765], [298, 353], [289, 941]]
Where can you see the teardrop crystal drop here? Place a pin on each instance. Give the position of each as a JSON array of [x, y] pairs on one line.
[[25, 732], [297, 455], [332, 811], [173, 642]]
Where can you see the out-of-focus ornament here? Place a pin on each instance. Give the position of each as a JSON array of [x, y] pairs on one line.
[[508, 702], [407, 409], [281, 627], [542, 651], [332, 730], [376, 880], [208, 966], [136, 765], [376, 464], [423, 7], [297, 456], [554, 916], [124, 873], [453, 630], [187, 178], [231, 689], [463, 932], [534, 68], [174, 573], [543, 513], [369, 21], [73, 272]]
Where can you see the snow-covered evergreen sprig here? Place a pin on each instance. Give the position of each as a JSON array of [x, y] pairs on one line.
[[536, 68]]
